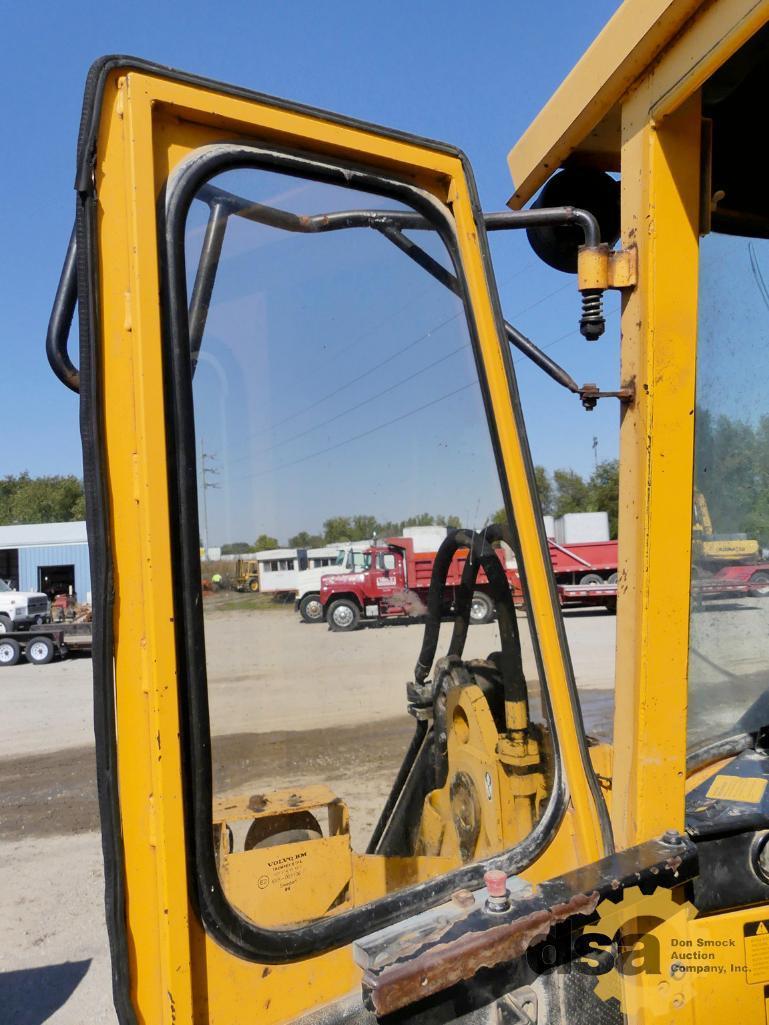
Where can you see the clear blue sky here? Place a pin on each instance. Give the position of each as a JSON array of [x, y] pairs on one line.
[[473, 75]]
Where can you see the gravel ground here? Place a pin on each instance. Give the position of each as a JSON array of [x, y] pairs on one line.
[[54, 965]]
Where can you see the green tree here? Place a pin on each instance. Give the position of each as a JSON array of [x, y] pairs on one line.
[[420, 520], [237, 548], [544, 489], [572, 493], [452, 522], [349, 528], [264, 542], [604, 492], [51, 499], [305, 540], [337, 528], [363, 527], [390, 528]]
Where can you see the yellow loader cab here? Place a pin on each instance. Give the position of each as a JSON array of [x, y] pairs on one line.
[[477, 855], [247, 575]]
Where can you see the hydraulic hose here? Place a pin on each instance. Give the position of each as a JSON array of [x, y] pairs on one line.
[[511, 667], [480, 554], [511, 660], [454, 540]]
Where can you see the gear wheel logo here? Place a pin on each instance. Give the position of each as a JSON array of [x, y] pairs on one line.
[[639, 937]]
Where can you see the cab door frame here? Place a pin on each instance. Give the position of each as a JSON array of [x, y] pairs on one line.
[[140, 121]]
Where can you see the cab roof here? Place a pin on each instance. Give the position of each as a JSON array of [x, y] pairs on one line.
[[581, 121]]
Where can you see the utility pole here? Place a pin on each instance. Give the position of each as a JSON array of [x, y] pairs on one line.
[[206, 471]]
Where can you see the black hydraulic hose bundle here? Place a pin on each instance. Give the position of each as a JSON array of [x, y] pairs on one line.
[[481, 554], [454, 540], [510, 637]]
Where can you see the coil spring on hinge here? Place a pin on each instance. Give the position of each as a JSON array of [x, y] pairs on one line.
[[592, 323]]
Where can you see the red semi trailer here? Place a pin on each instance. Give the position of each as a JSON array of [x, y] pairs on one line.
[[394, 580]]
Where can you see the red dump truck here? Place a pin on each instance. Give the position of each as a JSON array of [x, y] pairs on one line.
[[393, 582]]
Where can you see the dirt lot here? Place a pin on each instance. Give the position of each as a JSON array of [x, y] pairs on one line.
[[347, 728]]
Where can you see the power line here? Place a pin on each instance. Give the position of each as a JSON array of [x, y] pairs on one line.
[[386, 391], [422, 337], [397, 419], [363, 434], [351, 409], [377, 366], [544, 298]]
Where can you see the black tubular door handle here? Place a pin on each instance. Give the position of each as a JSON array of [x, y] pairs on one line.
[[61, 321]]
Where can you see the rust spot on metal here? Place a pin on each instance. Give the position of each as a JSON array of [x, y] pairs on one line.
[[258, 802], [443, 965], [463, 898], [673, 864]]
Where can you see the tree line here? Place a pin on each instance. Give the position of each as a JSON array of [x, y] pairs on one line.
[[732, 465], [563, 491], [566, 491], [731, 469], [51, 499], [343, 528]]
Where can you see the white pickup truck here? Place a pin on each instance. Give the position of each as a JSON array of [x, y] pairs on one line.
[[22, 609]]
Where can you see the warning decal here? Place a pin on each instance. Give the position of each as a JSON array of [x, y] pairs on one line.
[[737, 788], [756, 950]]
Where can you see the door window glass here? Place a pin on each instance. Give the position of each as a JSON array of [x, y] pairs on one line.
[[336, 402]]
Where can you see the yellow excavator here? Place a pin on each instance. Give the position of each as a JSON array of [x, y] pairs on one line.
[[289, 835], [711, 550]]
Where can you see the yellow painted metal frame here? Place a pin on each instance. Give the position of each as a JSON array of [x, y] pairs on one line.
[[583, 117], [637, 90], [149, 123], [660, 160], [575, 117]]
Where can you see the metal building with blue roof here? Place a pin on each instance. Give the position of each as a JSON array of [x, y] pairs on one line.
[[47, 557]]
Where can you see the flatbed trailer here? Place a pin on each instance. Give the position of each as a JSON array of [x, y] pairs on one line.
[[582, 595], [41, 644]]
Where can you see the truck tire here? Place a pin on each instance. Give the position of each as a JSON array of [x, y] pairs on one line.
[[39, 651], [343, 615], [759, 585], [5, 623], [10, 651], [310, 608], [590, 578], [481, 608], [613, 578]]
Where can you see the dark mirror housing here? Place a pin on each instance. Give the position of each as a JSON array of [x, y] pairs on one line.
[[587, 189]]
